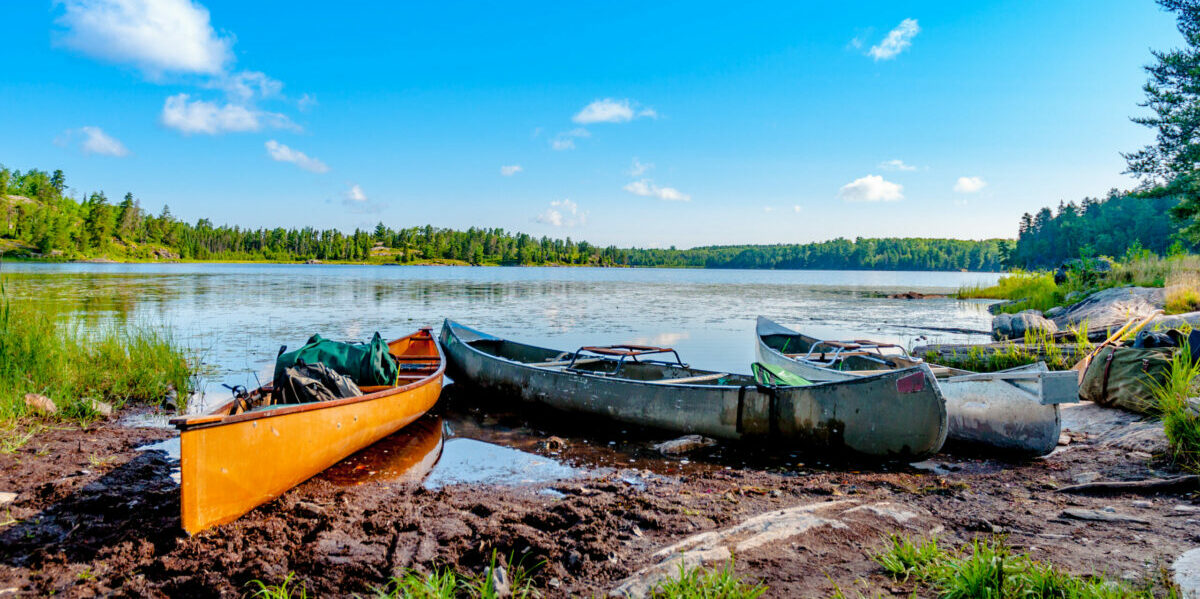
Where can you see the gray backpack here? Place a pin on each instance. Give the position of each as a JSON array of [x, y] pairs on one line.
[[305, 383]]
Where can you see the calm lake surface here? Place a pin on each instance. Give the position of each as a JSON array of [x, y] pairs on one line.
[[238, 315]]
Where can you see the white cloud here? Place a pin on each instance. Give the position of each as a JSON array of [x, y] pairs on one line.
[[282, 153], [306, 103], [897, 41], [609, 110], [247, 85], [562, 213], [355, 194], [200, 116], [969, 184], [768, 209], [96, 141], [356, 201], [647, 188], [157, 36], [896, 165], [638, 169], [871, 188], [510, 170], [797, 208], [566, 139]]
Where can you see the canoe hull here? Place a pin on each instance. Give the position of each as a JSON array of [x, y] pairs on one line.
[[1002, 414], [235, 465], [828, 417]]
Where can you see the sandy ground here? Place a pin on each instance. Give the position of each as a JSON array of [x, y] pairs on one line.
[[94, 516]]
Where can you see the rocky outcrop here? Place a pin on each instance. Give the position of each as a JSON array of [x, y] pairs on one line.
[[1112, 308], [1014, 326]]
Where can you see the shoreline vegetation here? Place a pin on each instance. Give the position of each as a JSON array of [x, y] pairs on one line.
[[1043, 290], [53, 370]]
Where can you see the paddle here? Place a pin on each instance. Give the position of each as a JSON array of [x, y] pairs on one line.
[[1081, 366]]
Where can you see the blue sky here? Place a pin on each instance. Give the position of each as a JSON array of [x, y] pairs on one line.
[[685, 123]]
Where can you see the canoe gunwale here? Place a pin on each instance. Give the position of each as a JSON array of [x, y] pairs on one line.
[[206, 420]]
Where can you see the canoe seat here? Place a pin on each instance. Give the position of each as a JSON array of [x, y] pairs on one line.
[[691, 379]]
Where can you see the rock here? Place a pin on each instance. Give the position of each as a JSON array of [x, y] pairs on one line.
[[684, 444], [7, 498], [914, 295], [1085, 477], [101, 408], [171, 399], [1055, 311], [553, 444], [1101, 516], [1014, 326], [1175, 321], [996, 307], [1187, 574], [1142, 503], [1184, 508], [500, 584], [1112, 308], [307, 509], [41, 404]]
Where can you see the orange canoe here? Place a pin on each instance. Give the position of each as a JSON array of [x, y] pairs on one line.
[[233, 461]]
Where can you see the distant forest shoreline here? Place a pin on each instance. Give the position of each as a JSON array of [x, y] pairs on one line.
[[39, 221]]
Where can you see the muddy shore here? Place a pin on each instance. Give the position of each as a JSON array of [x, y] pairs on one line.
[[94, 516]]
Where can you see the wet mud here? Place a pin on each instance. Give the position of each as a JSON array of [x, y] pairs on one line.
[[591, 507]]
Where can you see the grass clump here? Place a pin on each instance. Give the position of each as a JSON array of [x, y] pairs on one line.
[[1180, 414], [447, 584], [1037, 346], [283, 590], [1028, 290], [43, 352], [702, 583], [990, 569]]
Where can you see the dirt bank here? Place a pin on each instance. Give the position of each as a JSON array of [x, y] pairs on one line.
[[94, 516]]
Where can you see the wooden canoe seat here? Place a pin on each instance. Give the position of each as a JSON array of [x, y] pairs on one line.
[[691, 379], [564, 363], [842, 344]]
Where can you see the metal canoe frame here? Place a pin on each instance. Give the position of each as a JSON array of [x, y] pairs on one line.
[[621, 353]]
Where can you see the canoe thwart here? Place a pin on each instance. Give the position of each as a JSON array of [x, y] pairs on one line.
[[691, 379]]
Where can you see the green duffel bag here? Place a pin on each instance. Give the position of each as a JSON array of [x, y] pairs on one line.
[[1120, 377], [366, 364]]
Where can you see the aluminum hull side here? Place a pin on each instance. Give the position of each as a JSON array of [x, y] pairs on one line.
[[827, 417], [998, 413]]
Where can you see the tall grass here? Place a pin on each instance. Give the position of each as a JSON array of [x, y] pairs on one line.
[[1031, 290], [990, 569], [43, 352], [1180, 415], [447, 584], [1037, 346]]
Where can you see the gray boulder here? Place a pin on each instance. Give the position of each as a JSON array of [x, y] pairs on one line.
[[1176, 321], [1055, 311], [1112, 308], [1014, 326]]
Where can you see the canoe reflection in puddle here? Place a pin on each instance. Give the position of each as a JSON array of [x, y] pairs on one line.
[[423, 453]]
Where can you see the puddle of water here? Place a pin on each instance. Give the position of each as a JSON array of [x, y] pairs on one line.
[[468, 461], [171, 448]]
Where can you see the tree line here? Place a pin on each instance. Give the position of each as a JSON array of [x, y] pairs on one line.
[[35, 211]]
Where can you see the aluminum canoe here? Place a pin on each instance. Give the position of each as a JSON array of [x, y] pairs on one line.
[[232, 460], [898, 414], [1013, 410]]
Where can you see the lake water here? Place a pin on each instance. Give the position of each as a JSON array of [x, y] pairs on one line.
[[238, 315]]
